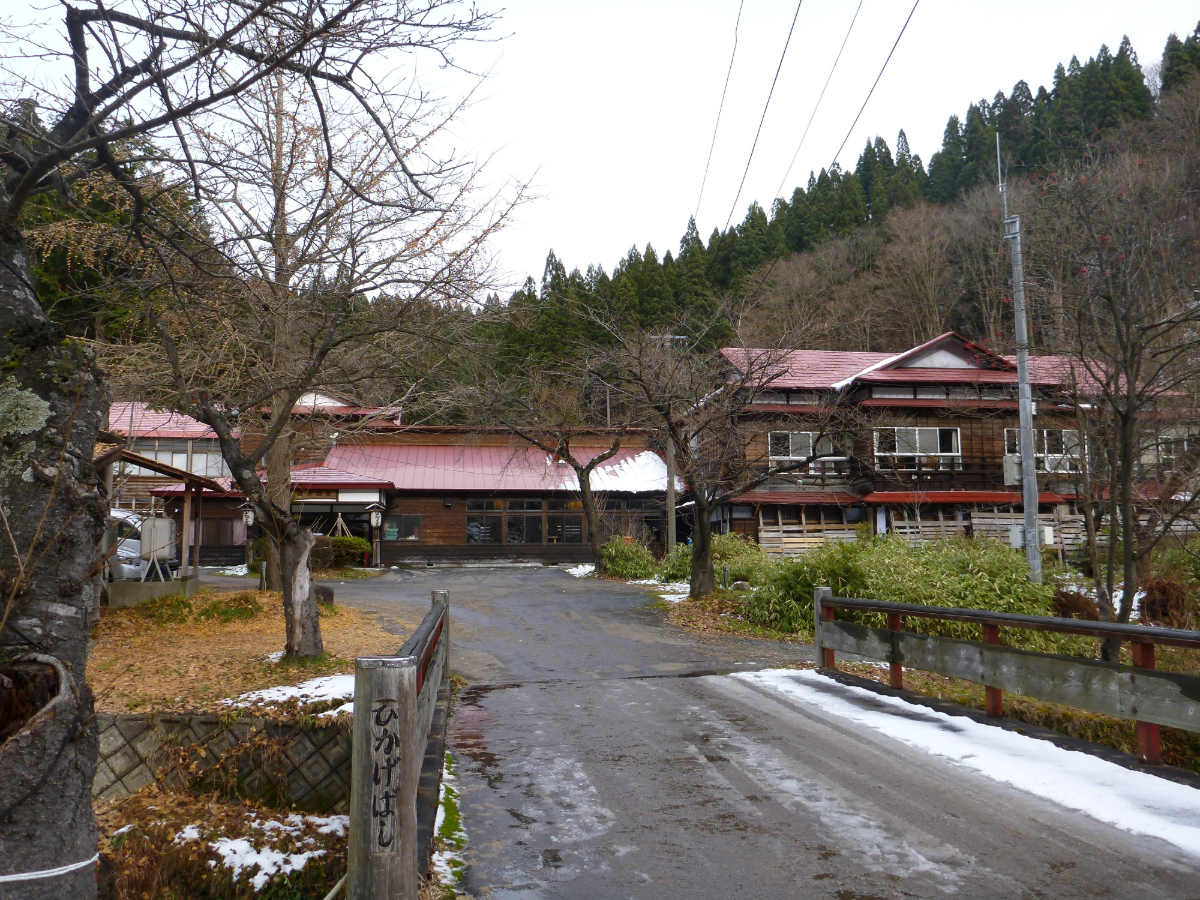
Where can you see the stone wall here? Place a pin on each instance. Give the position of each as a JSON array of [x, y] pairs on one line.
[[308, 766]]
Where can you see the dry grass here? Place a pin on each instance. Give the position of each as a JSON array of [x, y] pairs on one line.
[[159, 844], [138, 663], [719, 614]]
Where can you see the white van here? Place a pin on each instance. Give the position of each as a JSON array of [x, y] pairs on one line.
[[129, 561]]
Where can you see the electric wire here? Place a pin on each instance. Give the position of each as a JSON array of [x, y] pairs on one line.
[[828, 78], [766, 105], [903, 28], [720, 108]]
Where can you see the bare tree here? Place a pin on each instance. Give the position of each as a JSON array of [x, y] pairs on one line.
[[701, 399], [564, 408], [1123, 230], [131, 76], [332, 251]]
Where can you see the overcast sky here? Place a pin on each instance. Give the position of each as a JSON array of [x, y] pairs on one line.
[[609, 107]]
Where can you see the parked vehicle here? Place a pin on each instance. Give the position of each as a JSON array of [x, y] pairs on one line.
[[130, 560]]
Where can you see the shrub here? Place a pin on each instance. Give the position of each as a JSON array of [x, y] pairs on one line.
[[745, 559], [623, 557], [348, 551], [1166, 603], [677, 566], [229, 607], [970, 574], [1074, 605]]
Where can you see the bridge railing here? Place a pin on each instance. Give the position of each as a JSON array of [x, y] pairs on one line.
[[394, 704], [1138, 692]]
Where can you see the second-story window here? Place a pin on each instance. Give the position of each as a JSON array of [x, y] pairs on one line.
[[796, 446], [1054, 449], [913, 449]]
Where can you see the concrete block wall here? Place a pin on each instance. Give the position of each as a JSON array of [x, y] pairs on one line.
[[314, 772]]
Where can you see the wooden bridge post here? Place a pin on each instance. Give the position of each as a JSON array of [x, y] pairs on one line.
[[1149, 741], [823, 613], [993, 697], [895, 670]]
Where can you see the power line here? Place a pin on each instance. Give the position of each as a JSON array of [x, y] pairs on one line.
[[819, 99], [770, 94], [877, 77], [704, 180]]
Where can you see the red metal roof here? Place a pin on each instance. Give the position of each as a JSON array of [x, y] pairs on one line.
[[814, 370], [426, 467], [823, 369], [154, 423], [798, 498], [998, 497], [302, 477], [325, 476]]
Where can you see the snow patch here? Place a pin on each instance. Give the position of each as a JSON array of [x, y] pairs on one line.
[[1132, 801], [189, 833], [239, 855], [243, 569], [334, 713], [581, 570], [331, 687], [275, 657]]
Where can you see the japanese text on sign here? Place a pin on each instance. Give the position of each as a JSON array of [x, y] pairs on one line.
[[385, 775]]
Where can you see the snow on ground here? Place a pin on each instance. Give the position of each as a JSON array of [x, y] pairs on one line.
[[276, 656], [675, 591], [1132, 801], [447, 863], [331, 687], [232, 570], [581, 570]]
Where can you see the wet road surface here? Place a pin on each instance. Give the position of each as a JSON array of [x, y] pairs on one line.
[[596, 759]]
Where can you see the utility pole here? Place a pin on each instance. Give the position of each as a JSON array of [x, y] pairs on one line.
[[670, 495], [1029, 487]]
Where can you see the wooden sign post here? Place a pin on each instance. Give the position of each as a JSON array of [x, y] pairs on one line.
[[385, 769]]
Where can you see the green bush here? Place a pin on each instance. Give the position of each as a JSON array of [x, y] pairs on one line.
[[968, 574], [677, 566], [348, 551], [624, 558], [243, 605], [745, 560]]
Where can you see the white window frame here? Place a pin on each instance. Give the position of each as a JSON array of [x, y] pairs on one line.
[[905, 461], [1044, 461], [820, 466]]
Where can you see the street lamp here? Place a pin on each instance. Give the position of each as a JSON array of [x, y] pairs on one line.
[[376, 511]]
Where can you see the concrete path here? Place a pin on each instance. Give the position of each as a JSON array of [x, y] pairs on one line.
[[597, 760]]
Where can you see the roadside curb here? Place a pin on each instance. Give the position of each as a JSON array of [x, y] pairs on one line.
[[1118, 757]]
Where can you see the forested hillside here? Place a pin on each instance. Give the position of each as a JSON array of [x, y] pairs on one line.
[[894, 250]]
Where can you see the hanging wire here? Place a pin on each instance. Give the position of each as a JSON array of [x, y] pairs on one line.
[[778, 190], [763, 118], [720, 108]]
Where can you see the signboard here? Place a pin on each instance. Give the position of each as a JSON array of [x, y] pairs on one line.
[[385, 775]]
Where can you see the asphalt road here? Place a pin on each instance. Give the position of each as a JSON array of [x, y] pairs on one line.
[[597, 760]]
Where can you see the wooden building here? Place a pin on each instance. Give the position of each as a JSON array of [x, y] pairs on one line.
[[931, 451]]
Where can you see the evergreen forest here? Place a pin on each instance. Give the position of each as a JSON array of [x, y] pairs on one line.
[[847, 240]]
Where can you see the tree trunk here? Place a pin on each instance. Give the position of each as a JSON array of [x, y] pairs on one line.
[[703, 576], [52, 400], [299, 600], [279, 489], [591, 515]]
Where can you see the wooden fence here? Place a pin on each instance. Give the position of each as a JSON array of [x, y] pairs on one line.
[[394, 702], [1136, 692]]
